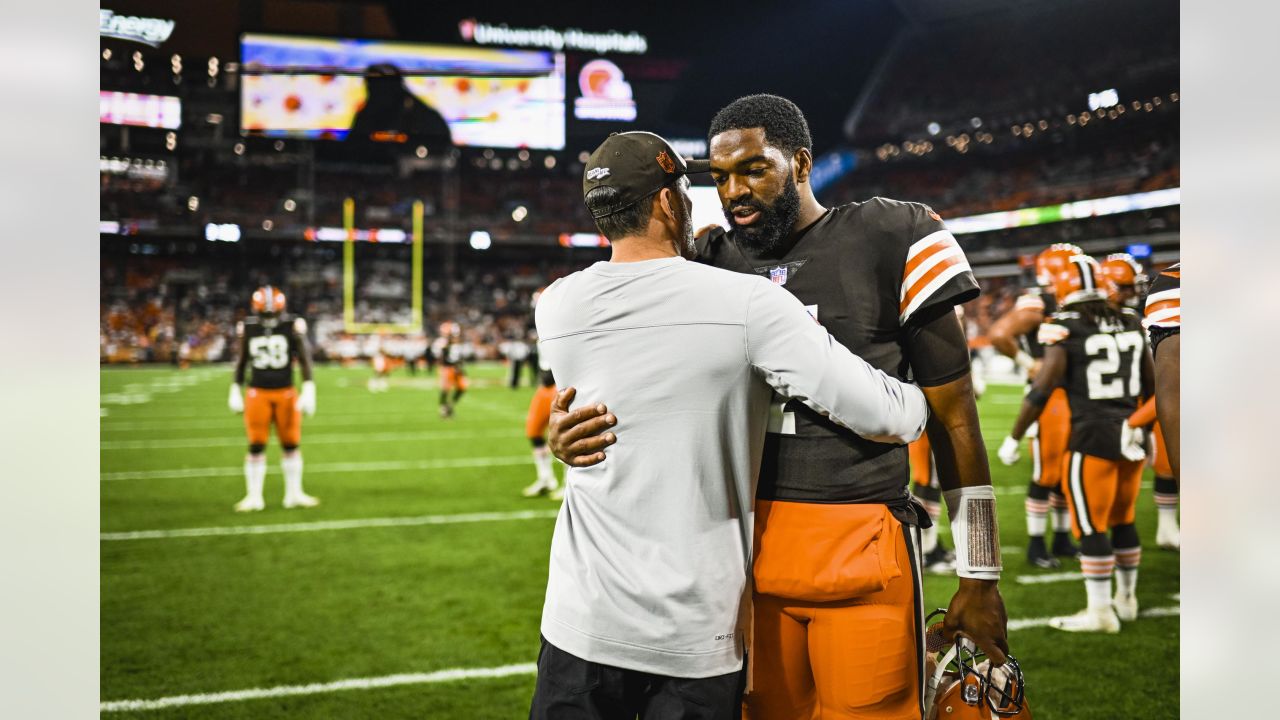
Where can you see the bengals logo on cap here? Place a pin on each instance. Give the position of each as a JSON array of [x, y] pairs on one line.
[[666, 162]]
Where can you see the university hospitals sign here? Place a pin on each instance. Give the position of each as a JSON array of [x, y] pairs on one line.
[[145, 30], [482, 33]]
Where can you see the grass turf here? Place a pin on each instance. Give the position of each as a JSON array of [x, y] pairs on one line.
[[207, 614]]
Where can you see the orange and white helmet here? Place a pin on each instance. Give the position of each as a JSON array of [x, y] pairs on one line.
[[1079, 280], [1053, 260], [268, 299], [448, 328], [964, 685], [1124, 274]]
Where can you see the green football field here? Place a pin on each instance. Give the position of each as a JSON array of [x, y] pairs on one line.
[[415, 589]]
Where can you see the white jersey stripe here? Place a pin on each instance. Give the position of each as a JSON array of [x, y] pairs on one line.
[[1174, 294], [934, 286], [930, 263], [1157, 318], [1076, 479], [929, 241]]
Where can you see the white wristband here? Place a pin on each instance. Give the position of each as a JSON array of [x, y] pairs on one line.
[[975, 531], [1023, 360]]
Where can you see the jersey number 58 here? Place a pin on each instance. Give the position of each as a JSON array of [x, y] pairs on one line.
[[269, 352]]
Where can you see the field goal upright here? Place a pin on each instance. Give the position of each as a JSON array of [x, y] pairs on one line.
[[349, 322]]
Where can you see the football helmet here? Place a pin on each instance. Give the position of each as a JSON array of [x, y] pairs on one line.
[[1079, 280], [963, 684], [1125, 280], [450, 329], [268, 299], [1053, 260]]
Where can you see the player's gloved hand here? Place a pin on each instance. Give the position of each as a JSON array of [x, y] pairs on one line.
[[576, 438], [235, 401], [307, 398], [1133, 444], [1008, 452]]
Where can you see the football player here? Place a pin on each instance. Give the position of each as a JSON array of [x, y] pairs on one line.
[[1163, 321], [882, 276], [270, 342], [1014, 335], [535, 428], [1127, 286], [1100, 355], [453, 377]]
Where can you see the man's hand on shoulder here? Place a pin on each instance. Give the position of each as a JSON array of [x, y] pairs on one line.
[[577, 438]]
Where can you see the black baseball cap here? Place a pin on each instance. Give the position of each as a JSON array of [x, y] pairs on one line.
[[637, 164]]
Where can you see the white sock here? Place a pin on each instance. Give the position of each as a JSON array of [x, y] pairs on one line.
[[1037, 523], [255, 474], [1099, 590], [542, 461], [928, 539], [1061, 519], [1167, 517], [291, 464], [1126, 581]]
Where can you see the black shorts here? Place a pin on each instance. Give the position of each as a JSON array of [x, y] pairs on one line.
[[570, 687]]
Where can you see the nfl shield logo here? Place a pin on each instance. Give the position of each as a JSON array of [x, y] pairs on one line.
[[778, 275]]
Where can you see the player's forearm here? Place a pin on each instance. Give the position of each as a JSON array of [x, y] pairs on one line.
[[1004, 344], [304, 361], [955, 435], [240, 369], [1168, 394]]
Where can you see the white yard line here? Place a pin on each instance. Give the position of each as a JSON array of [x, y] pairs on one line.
[[315, 438], [352, 524], [440, 676], [316, 688], [1025, 623], [1047, 578], [337, 467]]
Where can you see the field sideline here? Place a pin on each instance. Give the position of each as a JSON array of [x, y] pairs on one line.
[[415, 589]]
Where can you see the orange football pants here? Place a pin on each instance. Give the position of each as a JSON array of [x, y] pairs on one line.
[[837, 630], [920, 454], [535, 423], [451, 378], [1100, 493], [1050, 443], [263, 406]]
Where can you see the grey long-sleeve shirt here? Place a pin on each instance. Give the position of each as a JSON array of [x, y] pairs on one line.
[[651, 553]]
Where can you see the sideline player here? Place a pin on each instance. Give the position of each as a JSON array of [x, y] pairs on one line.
[[535, 428], [453, 376], [882, 276], [1163, 321], [1099, 353], [1014, 335], [272, 341], [1128, 285]]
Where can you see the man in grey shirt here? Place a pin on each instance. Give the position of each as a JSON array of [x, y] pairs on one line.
[[648, 599]]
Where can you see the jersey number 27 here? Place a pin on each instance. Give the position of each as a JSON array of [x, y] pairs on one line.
[[269, 352], [1108, 355]]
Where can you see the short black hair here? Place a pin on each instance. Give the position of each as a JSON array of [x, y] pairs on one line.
[[620, 222], [784, 125]]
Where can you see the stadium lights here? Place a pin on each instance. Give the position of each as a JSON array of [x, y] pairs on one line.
[[421, 152], [238, 149], [137, 61], [1066, 211], [337, 234], [106, 53], [520, 213], [290, 205], [583, 157], [268, 225], [480, 240], [225, 232], [523, 155], [193, 203], [549, 162], [278, 145], [213, 67], [933, 128], [170, 140]]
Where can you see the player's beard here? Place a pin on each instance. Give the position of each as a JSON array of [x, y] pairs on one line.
[[766, 235]]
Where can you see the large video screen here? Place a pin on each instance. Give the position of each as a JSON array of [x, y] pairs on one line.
[[319, 88], [156, 111]]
